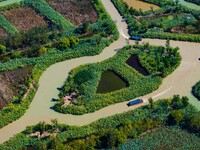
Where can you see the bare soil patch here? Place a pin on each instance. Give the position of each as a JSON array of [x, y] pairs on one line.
[[76, 11], [11, 83], [2, 32], [24, 18]]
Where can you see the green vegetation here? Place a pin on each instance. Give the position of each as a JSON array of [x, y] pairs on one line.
[[164, 138], [196, 90], [194, 1], [84, 80], [113, 131], [50, 54], [7, 26], [171, 21]]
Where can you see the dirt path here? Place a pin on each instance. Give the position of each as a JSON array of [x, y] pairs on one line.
[[179, 82]]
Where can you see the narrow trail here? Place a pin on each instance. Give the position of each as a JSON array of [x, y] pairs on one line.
[[179, 82]]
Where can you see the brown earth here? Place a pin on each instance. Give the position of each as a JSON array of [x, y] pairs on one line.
[[2, 32], [76, 11], [24, 18], [11, 83]]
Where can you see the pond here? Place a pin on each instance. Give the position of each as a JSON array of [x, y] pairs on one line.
[[133, 61], [138, 4], [110, 81]]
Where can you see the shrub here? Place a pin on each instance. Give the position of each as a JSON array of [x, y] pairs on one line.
[[196, 90]]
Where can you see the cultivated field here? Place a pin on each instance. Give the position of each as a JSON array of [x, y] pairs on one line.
[[24, 18], [75, 11], [12, 83]]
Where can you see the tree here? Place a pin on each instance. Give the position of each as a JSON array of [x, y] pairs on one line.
[[194, 123], [41, 126], [115, 138], [2, 49], [152, 105], [64, 43], [42, 50], [73, 41], [175, 117], [85, 26], [185, 101], [177, 102]]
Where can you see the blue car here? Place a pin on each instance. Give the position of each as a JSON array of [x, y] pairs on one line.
[[137, 38], [134, 102]]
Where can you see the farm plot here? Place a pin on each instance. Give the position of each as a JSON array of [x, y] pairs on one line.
[[24, 18], [13, 83], [75, 11]]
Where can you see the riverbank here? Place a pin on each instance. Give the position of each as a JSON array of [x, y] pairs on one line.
[[179, 82]]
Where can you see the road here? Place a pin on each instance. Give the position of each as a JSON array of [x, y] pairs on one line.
[[179, 82]]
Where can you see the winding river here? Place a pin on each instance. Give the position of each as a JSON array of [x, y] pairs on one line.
[[179, 82]]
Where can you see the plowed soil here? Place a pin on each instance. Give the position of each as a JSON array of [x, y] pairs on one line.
[[11, 83], [76, 11], [24, 18]]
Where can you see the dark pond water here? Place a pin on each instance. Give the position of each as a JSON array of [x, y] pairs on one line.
[[133, 61], [110, 81]]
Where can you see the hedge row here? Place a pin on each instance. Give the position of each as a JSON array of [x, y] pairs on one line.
[[7, 26]]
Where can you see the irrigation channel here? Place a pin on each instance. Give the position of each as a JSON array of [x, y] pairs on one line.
[[179, 82]]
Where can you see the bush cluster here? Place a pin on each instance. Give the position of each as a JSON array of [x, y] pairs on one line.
[[196, 90]]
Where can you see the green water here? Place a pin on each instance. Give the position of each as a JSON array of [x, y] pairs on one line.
[[109, 82]]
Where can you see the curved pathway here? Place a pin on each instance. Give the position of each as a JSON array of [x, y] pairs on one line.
[[179, 82]]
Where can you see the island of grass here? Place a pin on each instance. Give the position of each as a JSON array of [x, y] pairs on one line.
[[196, 90], [43, 46], [171, 21], [157, 125], [94, 86]]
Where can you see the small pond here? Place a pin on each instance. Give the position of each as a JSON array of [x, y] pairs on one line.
[[133, 61], [110, 81], [138, 4]]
